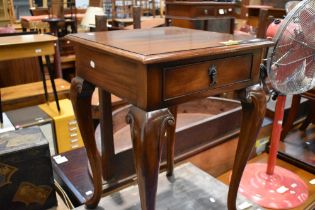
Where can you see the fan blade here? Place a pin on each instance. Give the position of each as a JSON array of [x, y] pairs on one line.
[[307, 21]]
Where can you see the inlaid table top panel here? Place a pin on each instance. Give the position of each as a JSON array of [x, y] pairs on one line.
[[164, 43]]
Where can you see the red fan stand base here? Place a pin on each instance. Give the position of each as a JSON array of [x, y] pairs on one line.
[[275, 187]]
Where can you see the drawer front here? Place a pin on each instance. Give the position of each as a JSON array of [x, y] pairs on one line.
[[202, 76], [205, 11], [68, 134]]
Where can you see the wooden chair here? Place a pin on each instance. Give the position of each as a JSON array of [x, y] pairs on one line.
[[290, 5], [266, 16], [310, 118]]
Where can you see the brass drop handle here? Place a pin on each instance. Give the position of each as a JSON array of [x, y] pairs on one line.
[[212, 73]]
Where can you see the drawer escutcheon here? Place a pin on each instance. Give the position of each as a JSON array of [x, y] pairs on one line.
[[212, 73]]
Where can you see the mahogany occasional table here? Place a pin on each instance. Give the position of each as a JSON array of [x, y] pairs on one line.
[[156, 69]]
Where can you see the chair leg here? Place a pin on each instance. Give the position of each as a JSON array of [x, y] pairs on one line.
[[51, 76], [291, 116], [42, 71], [171, 143], [1, 117]]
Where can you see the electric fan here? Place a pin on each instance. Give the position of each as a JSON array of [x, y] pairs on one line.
[[291, 70]]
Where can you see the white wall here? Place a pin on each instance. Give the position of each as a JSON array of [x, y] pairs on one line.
[[81, 3]]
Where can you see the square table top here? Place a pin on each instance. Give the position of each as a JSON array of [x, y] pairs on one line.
[[26, 39], [171, 43]]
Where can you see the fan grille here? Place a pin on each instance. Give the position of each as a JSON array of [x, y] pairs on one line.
[[291, 66]]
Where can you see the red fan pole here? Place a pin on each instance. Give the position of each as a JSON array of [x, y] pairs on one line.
[[276, 133], [276, 188]]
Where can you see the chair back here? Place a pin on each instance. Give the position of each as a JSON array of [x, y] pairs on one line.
[[290, 5]]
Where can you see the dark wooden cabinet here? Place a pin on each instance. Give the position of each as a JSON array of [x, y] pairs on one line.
[[192, 14], [26, 177]]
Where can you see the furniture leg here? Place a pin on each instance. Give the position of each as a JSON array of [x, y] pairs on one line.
[[263, 23], [1, 117], [153, 8], [74, 26], [148, 133], [167, 22], [106, 128], [253, 112], [291, 116], [52, 79], [42, 71], [161, 8], [171, 143], [136, 16], [232, 25], [81, 95], [57, 61]]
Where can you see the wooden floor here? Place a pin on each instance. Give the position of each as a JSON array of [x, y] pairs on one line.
[[189, 189], [61, 205], [215, 165]]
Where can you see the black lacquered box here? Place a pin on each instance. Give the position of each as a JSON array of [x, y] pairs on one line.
[[26, 177]]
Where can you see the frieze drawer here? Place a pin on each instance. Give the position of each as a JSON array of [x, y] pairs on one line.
[[206, 75]]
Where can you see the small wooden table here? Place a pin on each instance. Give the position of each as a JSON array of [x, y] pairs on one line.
[[156, 69], [34, 45]]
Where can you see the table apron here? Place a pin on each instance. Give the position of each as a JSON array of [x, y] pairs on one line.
[[26, 50], [155, 86]]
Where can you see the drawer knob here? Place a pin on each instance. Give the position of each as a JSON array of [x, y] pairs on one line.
[[92, 64], [212, 75], [206, 11]]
